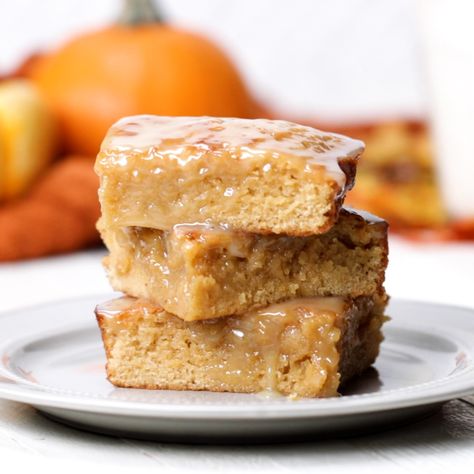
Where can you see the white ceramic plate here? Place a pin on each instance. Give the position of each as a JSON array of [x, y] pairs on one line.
[[52, 358]]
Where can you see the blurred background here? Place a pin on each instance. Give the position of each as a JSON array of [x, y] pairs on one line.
[[348, 59], [396, 73]]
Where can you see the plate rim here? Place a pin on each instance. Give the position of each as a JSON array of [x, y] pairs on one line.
[[445, 388]]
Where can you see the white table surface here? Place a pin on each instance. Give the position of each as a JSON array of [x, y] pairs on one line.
[[436, 272]]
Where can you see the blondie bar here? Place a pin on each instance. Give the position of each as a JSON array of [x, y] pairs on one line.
[[260, 176], [199, 271], [301, 348]]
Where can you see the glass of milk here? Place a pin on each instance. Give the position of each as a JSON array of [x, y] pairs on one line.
[[447, 35]]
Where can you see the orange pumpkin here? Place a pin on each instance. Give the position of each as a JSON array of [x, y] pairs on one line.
[[141, 66]]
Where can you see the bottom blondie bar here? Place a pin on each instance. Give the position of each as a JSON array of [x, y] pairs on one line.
[[302, 348]]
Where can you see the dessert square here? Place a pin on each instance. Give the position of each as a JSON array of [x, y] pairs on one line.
[[301, 348], [260, 176], [198, 271]]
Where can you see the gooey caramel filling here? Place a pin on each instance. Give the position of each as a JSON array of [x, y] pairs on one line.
[[275, 338]]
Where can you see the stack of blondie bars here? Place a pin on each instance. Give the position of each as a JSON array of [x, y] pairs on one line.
[[241, 269]]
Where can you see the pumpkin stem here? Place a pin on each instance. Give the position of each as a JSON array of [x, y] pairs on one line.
[[138, 12]]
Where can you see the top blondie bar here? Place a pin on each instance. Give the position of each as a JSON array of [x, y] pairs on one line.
[[261, 176]]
